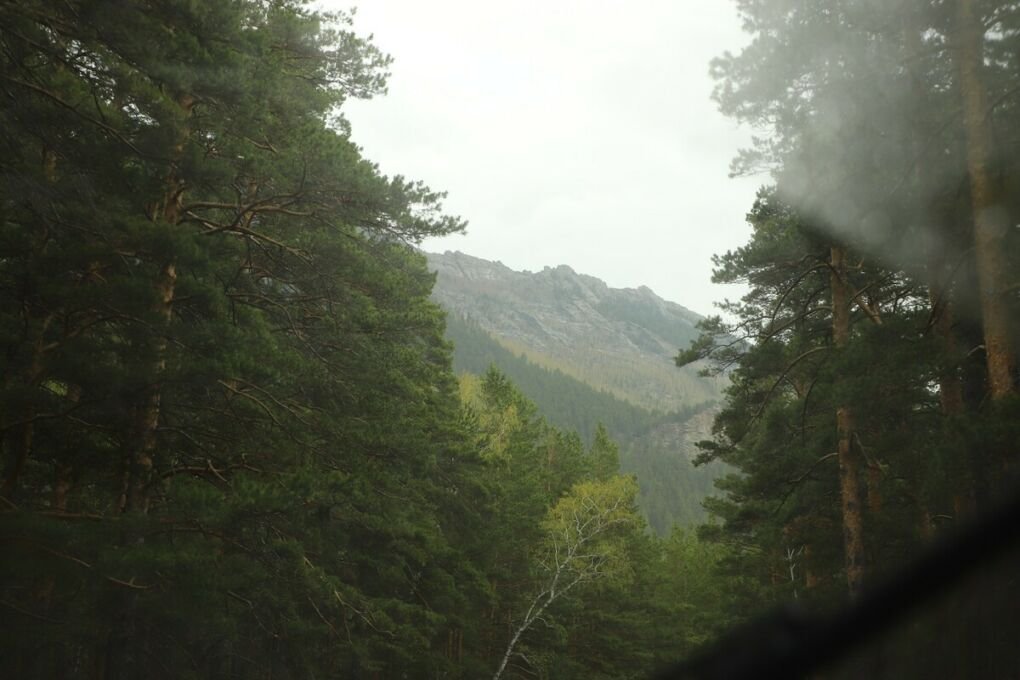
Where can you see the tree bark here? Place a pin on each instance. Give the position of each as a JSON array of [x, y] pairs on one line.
[[990, 223], [849, 462], [811, 578], [875, 498]]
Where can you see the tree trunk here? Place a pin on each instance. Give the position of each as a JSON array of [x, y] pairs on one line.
[[139, 460], [811, 577], [849, 463], [19, 445], [19, 440], [64, 470], [935, 230], [990, 223], [950, 383], [937, 233], [875, 498]]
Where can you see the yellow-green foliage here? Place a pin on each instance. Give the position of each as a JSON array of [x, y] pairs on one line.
[[585, 529], [496, 424]]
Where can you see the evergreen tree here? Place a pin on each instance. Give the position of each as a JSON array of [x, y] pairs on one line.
[[228, 369]]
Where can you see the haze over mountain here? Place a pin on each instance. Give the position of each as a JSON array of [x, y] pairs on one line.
[[572, 344]]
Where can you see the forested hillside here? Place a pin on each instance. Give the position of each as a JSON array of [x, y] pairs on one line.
[[566, 402], [658, 448], [618, 340]]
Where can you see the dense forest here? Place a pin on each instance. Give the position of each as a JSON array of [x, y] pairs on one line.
[[233, 442], [873, 405], [657, 448]]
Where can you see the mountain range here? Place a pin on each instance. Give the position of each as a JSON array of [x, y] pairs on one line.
[[586, 353]]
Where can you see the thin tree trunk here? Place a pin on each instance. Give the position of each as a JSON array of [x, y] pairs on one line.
[[937, 234], [925, 525], [951, 400], [950, 382], [64, 471], [19, 441], [875, 498], [62, 485], [990, 223], [20, 437], [849, 463], [811, 578], [139, 461]]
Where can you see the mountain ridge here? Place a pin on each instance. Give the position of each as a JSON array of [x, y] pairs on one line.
[[622, 340]]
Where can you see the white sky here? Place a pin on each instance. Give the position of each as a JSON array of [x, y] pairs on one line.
[[567, 132]]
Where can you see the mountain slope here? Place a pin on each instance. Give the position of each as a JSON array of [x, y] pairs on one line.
[[620, 340], [655, 445], [567, 403]]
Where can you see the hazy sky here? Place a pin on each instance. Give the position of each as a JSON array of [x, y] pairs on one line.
[[574, 132]]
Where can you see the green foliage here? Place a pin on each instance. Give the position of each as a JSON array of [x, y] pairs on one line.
[[233, 445], [604, 454], [568, 403], [581, 528], [653, 446], [232, 438], [780, 513], [567, 546]]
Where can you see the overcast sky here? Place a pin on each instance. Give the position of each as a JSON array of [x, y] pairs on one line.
[[576, 132]]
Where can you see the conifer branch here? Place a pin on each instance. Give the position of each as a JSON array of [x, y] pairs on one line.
[[782, 376], [70, 107]]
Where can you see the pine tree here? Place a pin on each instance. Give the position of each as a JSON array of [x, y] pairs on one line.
[[227, 338]]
